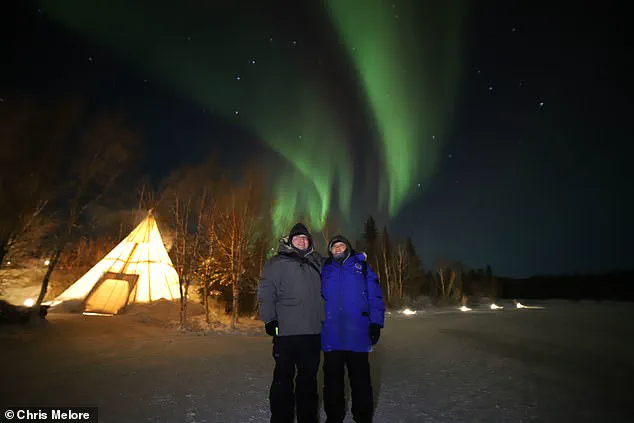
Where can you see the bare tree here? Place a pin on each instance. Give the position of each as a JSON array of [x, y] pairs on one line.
[[104, 153], [401, 264], [237, 232], [33, 137], [188, 217]]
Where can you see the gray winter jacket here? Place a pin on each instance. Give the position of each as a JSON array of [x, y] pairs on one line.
[[290, 291]]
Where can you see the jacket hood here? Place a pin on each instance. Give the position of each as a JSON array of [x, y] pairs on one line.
[[340, 238], [300, 229]]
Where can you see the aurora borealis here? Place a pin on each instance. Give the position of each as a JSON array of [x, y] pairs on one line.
[[489, 132], [257, 82], [410, 86]]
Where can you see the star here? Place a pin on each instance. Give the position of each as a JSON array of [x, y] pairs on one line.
[[479, 71], [236, 113], [270, 39], [433, 137], [419, 185], [300, 137], [238, 77], [541, 104], [189, 38], [490, 88], [90, 58], [395, 16], [294, 43], [1, 99], [252, 61], [514, 29], [521, 84], [450, 155], [145, 81]]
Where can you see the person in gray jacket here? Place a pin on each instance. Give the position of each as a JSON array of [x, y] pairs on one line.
[[292, 310]]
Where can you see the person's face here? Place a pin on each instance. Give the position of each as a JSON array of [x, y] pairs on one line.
[[301, 242], [338, 248]]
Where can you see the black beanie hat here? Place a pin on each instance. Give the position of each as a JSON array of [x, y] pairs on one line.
[[299, 229]]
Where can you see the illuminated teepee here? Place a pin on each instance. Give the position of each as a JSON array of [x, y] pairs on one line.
[[137, 270]]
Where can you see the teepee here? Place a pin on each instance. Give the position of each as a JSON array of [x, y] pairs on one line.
[[138, 270]]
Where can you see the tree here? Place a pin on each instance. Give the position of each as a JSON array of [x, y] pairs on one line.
[[492, 283], [386, 264], [370, 242], [400, 269], [104, 149], [237, 232], [186, 201], [33, 137], [414, 276]]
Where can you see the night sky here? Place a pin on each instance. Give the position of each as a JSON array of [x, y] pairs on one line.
[[489, 132]]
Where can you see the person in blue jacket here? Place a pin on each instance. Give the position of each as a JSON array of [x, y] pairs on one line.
[[354, 318]]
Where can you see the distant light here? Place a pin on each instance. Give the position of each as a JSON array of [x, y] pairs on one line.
[[95, 314], [541, 104], [8, 262], [520, 305], [496, 307], [29, 302], [409, 312], [464, 308], [47, 262]]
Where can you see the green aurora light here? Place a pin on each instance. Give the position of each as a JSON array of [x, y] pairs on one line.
[[407, 55], [253, 81]]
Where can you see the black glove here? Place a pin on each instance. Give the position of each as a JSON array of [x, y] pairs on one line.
[[375, 333], [271, 328]]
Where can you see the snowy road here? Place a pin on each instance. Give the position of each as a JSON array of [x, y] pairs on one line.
[[568, 362]]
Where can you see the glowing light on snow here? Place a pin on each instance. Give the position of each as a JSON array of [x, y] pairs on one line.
[[47, 262], [29, 302], [464, 308], [85, 313], [520, 305], [408, 312], [496, 307]]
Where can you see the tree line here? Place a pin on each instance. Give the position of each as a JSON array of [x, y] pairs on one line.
[[64, 168]]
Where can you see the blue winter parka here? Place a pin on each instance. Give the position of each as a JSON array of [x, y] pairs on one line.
[[353, 300]]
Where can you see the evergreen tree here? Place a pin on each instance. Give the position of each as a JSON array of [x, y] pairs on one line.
[[369, 242], [414, 277]]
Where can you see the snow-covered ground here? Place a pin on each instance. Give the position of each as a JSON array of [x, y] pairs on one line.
[[567, 362]]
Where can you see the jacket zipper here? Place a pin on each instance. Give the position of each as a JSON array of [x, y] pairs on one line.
[[341, 313]]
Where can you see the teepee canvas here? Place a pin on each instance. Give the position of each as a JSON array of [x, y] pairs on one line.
[[137, 270]]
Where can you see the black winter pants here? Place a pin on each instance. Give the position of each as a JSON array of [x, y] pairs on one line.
[[358, 365], [290, 393]]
